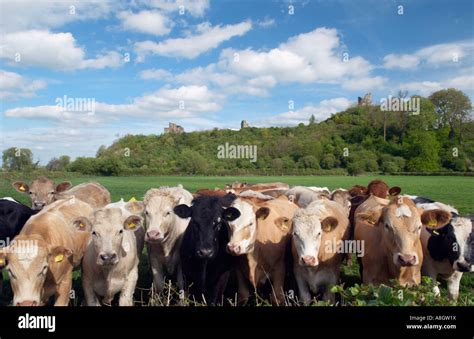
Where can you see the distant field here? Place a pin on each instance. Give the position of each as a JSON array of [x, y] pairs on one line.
[[456, 191]]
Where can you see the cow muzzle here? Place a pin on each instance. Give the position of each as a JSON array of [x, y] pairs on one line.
[[233, 249], [309, 260], [38, 205], [406, 259], [463, 266], [27, 303], [205, 253], [153, 236], [107, 259]]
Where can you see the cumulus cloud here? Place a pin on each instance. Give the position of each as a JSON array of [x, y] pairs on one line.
[[14, 86], [149, 22], [433, 56], [57, 51], [208, 37], [425, 88], [195, 8], [155, 74], [181, 102], [321, 111]]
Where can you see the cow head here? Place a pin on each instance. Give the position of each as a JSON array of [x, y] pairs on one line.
[[209, 218], [400, 225], [29, 262], [243, 230], [107, 227], [381, 190], [41, 191], [343, 198], [308, 229], [160, 219], [453, 242]]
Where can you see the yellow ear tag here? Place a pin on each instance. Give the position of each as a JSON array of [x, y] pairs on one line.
[[81, 225], [327, 228], [132, 199], [132, 226], [59, 258], [22, 188], [436, 232], [432, 223], [371, 221], [2, 262]]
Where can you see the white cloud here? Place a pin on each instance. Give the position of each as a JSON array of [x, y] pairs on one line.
[[425, 88], [45, 14], [308, 57], [149, 22], [266, 22], [57, 51], [195, 8], [208, 37], [181, 102], [364, 84], [155, 74], [321, 111], [433, 56], [14, 86]]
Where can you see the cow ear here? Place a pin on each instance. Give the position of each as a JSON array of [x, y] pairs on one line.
[[262, 213], [135, 207], [183, 211], [435, 218], [283, 223], [328, 224], [82, 224], [228, 199], [21, 187], [394, 191], [369, 218], [132, 223], [231, 213], [64, 186], [58, 254]]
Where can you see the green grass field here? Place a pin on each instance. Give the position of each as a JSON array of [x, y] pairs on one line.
[[456, 191]]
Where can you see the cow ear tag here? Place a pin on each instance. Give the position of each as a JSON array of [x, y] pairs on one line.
[[2, 262], [327, 228], [132, 199], [82, 225], [22, 188], [432, 223], [131, 225], [59, 258], [371, 221]]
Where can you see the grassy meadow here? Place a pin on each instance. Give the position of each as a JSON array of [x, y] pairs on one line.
[[456, 191]]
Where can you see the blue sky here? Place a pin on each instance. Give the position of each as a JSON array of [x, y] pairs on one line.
[[206, 64]]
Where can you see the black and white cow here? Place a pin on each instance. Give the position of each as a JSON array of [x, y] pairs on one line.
[[13, 215], [448, 250], [205, 262]]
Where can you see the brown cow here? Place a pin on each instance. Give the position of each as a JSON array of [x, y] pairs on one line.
[[41, 258], [260, 237], [239, 187], [43, 191], [390, 231]]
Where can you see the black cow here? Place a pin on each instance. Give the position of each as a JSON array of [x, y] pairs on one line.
[[205, 261], [13, 215]]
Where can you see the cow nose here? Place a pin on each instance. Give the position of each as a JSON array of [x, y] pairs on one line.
[[233, 249], [153, 235], [27, 303], [406, 259], [38, 205], [463, 266], [108, 258], [205, 253], [309, 260]]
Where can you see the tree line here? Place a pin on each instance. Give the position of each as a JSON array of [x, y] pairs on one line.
[[360, 139]]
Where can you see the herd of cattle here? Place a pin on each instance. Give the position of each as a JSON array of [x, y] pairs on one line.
[[253, 234]]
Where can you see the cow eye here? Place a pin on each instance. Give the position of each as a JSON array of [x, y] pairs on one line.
[[168, 213], [387, 226], [94, 233], [121, 231], [44, 270], [31, 193], [319, 233], [52, 192]]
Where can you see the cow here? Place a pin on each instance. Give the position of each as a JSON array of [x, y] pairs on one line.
[[40, 260], [110, 264], [205, 263], [43, 191], [13, 215], [448, 245], [303, 196], [390, 231], [239, 187], [319, 233], [343, 198], [259, 237], [164, 232]]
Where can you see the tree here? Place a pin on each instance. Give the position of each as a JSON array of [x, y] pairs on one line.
[[312, 120], [453, 108], [192, 162], [60, 164], [101, 151], [422, 151], [17, 159]]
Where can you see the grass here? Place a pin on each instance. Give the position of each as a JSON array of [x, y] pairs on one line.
[[456, 191]]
